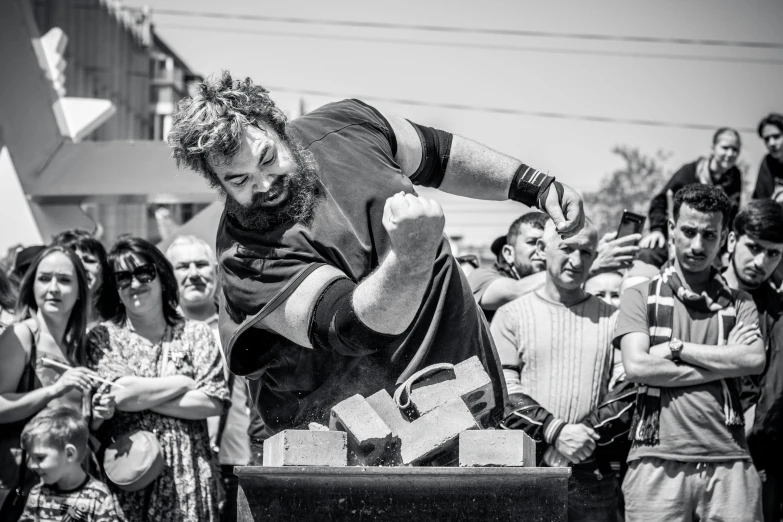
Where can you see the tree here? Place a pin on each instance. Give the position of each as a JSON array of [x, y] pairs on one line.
[[630, 187]]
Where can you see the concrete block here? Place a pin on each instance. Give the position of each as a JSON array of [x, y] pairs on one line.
[[306, 448], [500, 448], [369, 438], [435, 433], [387, 409], [470, 382]]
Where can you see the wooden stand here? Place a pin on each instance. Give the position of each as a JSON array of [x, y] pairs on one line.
[[402, 493]]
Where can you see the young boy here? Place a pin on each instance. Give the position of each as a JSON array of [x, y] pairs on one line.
[[56, 444]]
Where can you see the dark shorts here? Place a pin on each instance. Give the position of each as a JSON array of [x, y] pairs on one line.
[[592, 497]]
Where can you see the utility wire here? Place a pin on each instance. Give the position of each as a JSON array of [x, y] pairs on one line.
[[468, 45], [470, 30], [514, 112]]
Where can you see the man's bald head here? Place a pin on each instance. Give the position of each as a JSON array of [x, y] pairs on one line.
[[568, 260], [552, 236]]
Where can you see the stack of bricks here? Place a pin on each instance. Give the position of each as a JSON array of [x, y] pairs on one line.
[[439, 426]]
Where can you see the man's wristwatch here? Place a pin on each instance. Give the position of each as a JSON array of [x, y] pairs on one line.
[[675, 345]]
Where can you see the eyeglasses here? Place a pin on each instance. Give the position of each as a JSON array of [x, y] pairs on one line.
[[143, 274]]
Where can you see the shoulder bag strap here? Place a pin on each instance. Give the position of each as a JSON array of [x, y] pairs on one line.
[[224, 414]]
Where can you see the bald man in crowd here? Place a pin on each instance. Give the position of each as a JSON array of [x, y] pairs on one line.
[[195, 267], [555, 345]]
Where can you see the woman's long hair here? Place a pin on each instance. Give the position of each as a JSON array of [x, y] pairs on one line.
[[76, 329], [80, 239], [128, 246]]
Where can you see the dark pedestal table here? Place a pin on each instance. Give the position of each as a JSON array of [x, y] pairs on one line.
[[402, 494]]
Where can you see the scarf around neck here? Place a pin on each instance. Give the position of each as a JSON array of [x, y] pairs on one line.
[[717, 298]]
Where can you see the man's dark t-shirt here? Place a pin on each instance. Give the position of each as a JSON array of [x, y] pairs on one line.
[[480, 279], [290, 385], [730, 181], [769, 182], [766, 390]]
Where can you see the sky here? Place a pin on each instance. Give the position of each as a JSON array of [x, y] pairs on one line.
[[702, 85], [569, 79], [711, 93]]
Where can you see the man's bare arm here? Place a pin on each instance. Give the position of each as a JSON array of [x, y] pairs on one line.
[[504, 290], [732, 360], [479, 172], [387, 301], [643, 368]]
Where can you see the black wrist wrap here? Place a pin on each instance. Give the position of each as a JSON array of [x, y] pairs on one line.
[[335, 326], [529, 186], [542, 195]]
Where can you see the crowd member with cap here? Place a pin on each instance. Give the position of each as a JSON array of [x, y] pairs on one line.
[[93, 257], [519, 269], [719, 169], [171, 377], [195, 268], [769, 183], [516, 259], [755, 247], [686, 336]]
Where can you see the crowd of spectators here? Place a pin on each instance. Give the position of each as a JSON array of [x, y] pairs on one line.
[[98, 345], [652, 361]]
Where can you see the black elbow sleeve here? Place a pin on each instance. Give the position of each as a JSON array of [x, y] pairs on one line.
[[335, 326]]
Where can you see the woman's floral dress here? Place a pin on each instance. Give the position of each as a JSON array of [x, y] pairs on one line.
[[189, 487]]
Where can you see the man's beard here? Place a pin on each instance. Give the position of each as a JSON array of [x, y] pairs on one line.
[[741, 277], [304, 190]]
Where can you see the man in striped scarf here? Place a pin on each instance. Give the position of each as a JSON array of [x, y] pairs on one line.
[[686, 338]]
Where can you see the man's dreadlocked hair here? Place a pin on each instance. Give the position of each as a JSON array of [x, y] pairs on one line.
[[210, 123]]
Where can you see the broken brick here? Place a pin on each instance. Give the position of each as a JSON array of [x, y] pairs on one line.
[[369, 437], [435, 433], [387, 409], [470, 382]]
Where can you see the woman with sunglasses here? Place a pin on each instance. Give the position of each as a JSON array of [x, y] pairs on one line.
[[51, 317], [93, 256], [172, 377]]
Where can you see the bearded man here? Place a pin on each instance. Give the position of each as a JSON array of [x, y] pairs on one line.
[[337, 279]]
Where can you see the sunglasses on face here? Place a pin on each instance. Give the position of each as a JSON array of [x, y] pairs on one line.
[[143, 274]]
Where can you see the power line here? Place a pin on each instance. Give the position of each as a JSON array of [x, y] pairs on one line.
[[468, 45], [471, 30], [507, 111]]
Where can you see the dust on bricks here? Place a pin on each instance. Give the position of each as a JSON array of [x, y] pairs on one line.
[[469, 381], [369, 438], [435, 433], [306, 448], [496, 448]]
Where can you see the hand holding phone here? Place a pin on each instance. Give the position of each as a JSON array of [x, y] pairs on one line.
[[630, 223]]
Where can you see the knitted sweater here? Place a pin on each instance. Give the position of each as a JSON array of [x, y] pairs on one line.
[[563, 354]]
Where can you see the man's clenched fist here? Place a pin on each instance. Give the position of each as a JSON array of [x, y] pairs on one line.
[[415, 227], [576, 442]]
